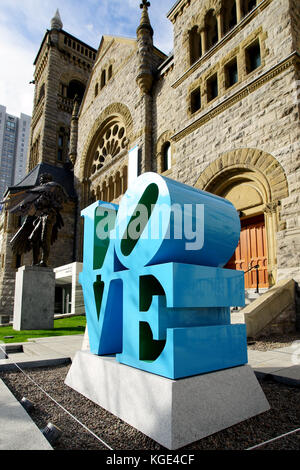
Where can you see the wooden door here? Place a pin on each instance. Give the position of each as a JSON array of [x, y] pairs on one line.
[[251, 251]]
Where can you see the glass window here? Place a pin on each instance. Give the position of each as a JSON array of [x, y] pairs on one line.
[[248, 5], [103, 78], [231, 73], [195, 45], [167, 163], [229, 15], [253, 58], [195, 100], [211, 27], [212, 87]]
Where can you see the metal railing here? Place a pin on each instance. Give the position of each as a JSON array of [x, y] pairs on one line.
[[257, 276]]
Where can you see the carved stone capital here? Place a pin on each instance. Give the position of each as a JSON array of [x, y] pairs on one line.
[[271, 207]]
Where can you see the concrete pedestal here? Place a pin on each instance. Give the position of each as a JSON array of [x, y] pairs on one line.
[[34, 298], [172, 412]]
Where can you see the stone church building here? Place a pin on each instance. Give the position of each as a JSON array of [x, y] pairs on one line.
[[221, 113]]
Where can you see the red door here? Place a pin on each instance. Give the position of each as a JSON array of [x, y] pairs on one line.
[[251, 251]]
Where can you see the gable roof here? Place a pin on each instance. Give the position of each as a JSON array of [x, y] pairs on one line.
[[63, 176]]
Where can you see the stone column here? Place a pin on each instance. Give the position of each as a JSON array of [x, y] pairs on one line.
[[115, 186], [147, 138], [239, 13], [271, 222], [219, 22], [122, 181], [125, 177], [85, 191], [203, 40], [74, 132], [144, 80], [111, 188]]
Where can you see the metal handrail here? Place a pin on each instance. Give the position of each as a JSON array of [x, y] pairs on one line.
[[257, 279]]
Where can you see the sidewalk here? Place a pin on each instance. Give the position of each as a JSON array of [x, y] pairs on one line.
[[17, 430], [277, 363], [41, 352], [282, 364]]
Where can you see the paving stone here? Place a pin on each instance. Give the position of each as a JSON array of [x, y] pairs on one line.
[[18, 431]]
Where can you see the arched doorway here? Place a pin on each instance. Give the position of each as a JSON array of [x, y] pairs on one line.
[[248, 199], [255, 183]]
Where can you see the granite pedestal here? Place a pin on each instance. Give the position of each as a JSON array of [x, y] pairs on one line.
[[34, 298], [172, 412]]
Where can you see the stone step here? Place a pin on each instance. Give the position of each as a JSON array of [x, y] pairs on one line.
[[237, 315], [250, 296]]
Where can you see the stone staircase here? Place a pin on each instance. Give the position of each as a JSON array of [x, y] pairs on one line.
[[237, 315], [272, 311]]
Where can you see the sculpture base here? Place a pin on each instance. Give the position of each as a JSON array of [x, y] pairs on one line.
[[172, 412], [34, 298]]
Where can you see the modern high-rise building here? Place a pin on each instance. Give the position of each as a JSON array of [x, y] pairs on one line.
[[14, 141]]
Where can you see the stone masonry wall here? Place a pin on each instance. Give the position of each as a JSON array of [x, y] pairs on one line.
[[60, 69], [264, 116], [120, 89]]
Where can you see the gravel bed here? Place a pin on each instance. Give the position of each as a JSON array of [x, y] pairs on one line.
[[283, 417], [266, 343]]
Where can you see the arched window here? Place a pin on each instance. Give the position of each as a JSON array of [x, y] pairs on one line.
[[110, 143], [34, 154], [247, 6], [103, 78], [195, 45], [211, 27], [96, 89], [63, 90], [110, 72], [75, 88], [42, 92], [61, 140], [166, 157], [229, 15]]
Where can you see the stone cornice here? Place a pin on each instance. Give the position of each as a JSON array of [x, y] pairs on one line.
[[246, 90], [177, 9]]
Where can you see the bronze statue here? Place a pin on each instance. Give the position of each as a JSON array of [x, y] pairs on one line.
[[41, 207]]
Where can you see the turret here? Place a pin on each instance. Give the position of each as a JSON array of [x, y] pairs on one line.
[[56, 22], [145, 46], [74, 131]]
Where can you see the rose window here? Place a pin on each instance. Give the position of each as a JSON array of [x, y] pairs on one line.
[[111, 143]]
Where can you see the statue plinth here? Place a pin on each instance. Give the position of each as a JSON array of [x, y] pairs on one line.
[[34, 298], [174, 413]]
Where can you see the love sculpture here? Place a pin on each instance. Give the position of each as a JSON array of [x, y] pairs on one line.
[[159, 306], [157, 301]]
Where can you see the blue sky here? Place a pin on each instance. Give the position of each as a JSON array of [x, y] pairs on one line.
[[23, 24]]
